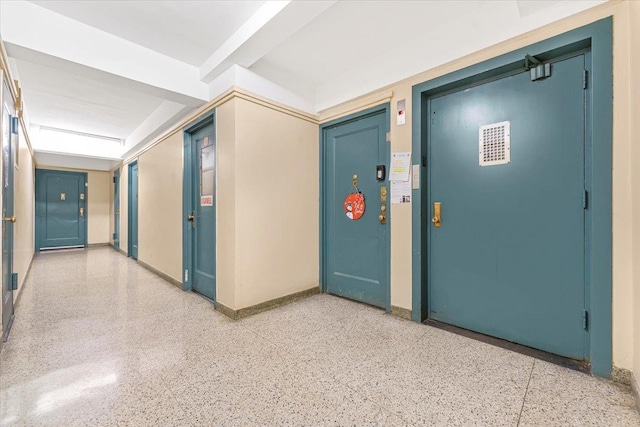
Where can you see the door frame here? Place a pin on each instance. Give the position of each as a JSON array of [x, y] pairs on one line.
[[598, 220], [129, 210], [39, 175], [324, 127], [187, 195], [116, 209]]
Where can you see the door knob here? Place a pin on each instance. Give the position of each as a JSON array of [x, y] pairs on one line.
[[190, 217], [437, 219], [81, 211], [11, 219]]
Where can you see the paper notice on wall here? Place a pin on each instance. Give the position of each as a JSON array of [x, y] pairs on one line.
[[400, 192], [206, 200], [400, 166]]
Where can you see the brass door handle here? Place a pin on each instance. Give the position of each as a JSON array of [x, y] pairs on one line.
[[437, 218], [81, 211], [190, 217], [11, 219]]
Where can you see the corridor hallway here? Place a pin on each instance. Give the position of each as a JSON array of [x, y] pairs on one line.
[[98, 340]]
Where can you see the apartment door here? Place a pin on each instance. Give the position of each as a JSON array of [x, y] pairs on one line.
[[133, 210], [116, 209], [9, 131], [61, 209], [200, 203], [508, 200], [356, 248]]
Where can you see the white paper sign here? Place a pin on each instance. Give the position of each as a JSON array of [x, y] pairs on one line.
[[400, 192], [206, 200], [400, 166]]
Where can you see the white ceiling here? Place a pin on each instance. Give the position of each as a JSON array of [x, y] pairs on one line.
[[76, 102], [188, 31], [131, 69]]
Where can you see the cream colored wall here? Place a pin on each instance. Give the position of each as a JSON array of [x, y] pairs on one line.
[[160, 206], [24, 205], [111, 206], [634, 136], [124, 208], [98, 213], [277, 204], [401, 221], [226, 203]]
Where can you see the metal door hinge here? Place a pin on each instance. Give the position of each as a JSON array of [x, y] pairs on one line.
[[424, 161], [585, 320], [585, 199], [186, 275], [14, 281], [388, 136], [114, 179], [585, 79]]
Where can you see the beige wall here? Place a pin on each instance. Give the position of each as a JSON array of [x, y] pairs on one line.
[[160, 206], [226, 203], [98, 213], [276, 209], [24, 205], [124, 208], [634, 136], [623, 259]]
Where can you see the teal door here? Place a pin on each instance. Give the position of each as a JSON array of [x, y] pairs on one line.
[[60, 209], [356, 252], [9, 131], [508, 258], [200, 226], [133, 210], [116, 209]]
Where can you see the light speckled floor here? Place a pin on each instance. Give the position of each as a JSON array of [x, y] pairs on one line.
[[98, 340]]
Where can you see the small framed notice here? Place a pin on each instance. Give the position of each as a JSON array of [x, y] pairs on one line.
[[206, 200]]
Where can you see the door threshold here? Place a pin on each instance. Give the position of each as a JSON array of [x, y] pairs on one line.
[[61, 248], [204, 297], [576, 365]]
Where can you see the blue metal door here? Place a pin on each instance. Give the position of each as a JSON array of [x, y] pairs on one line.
[[60, 209], [9, 137], [356, 252], [116, 209], [203, 211], [508, 257], [133, 210]]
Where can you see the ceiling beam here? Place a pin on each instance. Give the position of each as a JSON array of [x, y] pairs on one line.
[[38, 29], [269, 26], [165, 116]]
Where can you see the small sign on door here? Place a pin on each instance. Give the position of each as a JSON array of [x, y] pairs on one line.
[[206, 200]]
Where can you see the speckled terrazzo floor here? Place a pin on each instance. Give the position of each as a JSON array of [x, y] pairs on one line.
[[98, 340]]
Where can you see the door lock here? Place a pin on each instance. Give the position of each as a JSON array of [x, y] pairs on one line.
[[383, 213], [437, 218]]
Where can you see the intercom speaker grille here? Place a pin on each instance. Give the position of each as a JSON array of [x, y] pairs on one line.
[[495, 144]]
